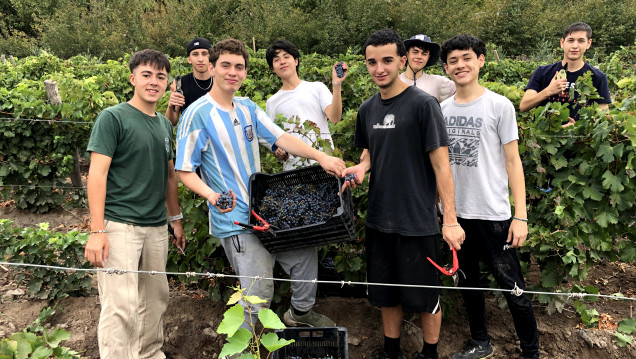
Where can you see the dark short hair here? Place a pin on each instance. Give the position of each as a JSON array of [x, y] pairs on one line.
[[150, 57], [385, 37], [578, 26], [231, 46], [462, 42], [284, 45]]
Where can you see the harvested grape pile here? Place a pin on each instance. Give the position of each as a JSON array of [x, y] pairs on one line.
[[290, 206]]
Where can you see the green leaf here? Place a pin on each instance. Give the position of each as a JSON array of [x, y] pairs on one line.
[[269, 319], [605, 218], [627, 326], [605, 152], [232, 320], [272, 342], [623, 339], [23, 349], [236, 343], [254, 299], [612, 182], [235, 297], [41, 353], [57, 336]]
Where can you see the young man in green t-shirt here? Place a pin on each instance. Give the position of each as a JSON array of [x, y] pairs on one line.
[[131, 182]]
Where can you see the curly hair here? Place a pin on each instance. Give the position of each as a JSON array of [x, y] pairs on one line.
[[385, 37], [462, 42]]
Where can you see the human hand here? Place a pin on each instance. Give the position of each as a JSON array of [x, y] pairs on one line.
[[281, 154], [570, 122], [96, 249], [333, 165], [454, 236], [557, 85], [517, 234], [334, 73], [176, 100], [359, 173], [214, 197], [179, 238]]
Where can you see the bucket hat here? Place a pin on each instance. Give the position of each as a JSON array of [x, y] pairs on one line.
[[425, 42]]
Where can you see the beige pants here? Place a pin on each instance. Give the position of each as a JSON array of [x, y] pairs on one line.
[[130, 324]]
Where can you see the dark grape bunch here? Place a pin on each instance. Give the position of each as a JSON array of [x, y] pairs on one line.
[[290, 206], [339, 69], [351, 177], [225, 200]]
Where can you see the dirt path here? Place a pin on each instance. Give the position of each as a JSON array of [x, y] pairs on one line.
[[192, 318]]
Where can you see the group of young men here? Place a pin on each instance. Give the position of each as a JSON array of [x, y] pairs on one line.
[[463, 152]]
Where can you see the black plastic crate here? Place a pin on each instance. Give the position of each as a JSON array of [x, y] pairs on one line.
[[313, 343], [338, 228]]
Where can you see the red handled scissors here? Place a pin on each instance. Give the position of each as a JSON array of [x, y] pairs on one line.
[[261, 225]]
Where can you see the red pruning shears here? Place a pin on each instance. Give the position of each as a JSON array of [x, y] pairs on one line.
[[448, 270], [261, 225]]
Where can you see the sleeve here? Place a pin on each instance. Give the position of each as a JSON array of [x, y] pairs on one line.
[[266, 129], [602, 88], [104, 134], [536, 80], [191, 139], [360, 138], [170, 130], [432, 126], [507, 121], [325, 96], [446, 88]]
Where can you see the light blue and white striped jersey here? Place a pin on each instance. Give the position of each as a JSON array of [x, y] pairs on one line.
[[225, 145]]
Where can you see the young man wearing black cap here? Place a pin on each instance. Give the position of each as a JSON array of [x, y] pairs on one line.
[[195, 84], [421, 53]]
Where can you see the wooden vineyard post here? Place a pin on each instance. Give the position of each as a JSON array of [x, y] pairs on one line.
[[53, 93]]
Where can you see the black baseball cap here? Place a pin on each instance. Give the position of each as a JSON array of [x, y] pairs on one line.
[[198, 43]]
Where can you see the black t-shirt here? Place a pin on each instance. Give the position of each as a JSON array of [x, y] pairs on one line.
[[543, 75], [399, 132], [193, 89]]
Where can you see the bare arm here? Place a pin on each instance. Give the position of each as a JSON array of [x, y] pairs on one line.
[[518, 229], [452, 234], [334, 111], [96, 249], [299, 148], [172, 205], [174, 105], [532, 98], [196, 185]]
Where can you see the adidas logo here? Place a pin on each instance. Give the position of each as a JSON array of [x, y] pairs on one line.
[[236, 122]]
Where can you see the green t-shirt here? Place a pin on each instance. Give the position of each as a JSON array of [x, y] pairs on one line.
[[140, 147]]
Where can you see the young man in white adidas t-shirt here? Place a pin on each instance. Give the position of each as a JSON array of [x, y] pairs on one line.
[[484, 158]]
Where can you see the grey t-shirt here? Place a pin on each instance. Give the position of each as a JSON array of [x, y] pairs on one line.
[[477, 132]]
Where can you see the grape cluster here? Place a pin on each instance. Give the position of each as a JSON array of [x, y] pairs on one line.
[[351, 177], [339, 69], [225, 200], [290, 206]]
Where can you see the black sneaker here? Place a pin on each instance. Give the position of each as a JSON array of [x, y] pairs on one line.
[[381, 354], [419, 355], [473, 350]]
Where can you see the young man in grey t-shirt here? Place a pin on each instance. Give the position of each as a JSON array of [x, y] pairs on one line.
[[484, 158]]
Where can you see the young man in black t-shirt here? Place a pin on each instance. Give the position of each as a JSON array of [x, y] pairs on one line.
[[545, 86], [195, 84], [403, 129]]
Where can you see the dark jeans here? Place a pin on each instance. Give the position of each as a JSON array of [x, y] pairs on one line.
[[485, 241]]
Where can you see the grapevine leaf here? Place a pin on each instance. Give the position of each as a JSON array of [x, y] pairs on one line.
[[623, 339], [605, 152], [236, 343], [269, 319], [232, 320], [627, 326], [605, 218], [272, 342], [612, 182]]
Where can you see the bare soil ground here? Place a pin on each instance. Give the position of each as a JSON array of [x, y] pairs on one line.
[[191, 318]]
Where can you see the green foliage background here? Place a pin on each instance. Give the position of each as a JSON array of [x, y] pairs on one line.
[[109, 28], [588, 216]]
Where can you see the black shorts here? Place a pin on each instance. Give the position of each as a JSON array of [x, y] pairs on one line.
[[397, 259]]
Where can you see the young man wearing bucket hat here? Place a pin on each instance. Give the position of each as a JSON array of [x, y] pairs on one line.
[[193, 85], [421, 53]]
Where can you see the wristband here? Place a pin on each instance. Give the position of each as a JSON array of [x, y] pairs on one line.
[[520, 219], [176, 218], [100, 231], [336, 83], [450, 225]]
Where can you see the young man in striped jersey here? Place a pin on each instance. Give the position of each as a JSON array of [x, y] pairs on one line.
[[220, 134]]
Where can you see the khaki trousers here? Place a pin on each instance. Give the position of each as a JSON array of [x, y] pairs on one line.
[[130, 323]]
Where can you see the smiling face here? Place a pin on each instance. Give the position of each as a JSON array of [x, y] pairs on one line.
[[417, 58], [463, 66], [149, 82], [575, 44], [229, 72], [384, 64], [284, 64], [200, 60]]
